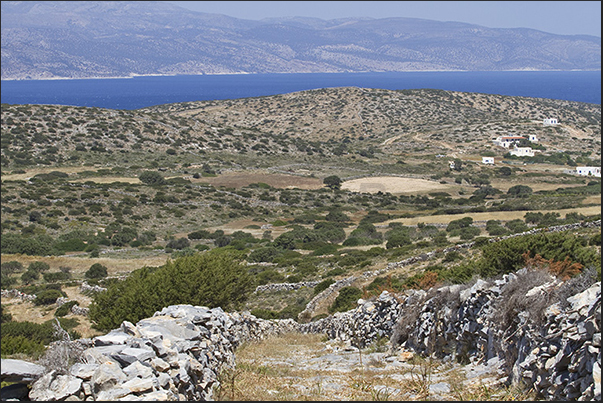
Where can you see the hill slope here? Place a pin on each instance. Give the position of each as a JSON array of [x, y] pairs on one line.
[[107, 39]]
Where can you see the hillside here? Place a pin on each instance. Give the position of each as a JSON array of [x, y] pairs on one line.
[[52, 39], [294, 207]]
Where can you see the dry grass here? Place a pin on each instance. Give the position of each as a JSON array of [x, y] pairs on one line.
[[38, 170], [394, 185], [297, 366], [492, 215], [80, 264], [108, 179]]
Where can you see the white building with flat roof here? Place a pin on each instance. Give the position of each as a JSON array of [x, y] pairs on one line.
[[550, 121], [589, 171], [507, 141], [522, 151], [488, 160]]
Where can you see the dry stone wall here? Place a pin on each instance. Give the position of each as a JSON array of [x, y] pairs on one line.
[[179, 352]]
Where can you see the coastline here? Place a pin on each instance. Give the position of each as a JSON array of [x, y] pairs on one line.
[[284, 73]]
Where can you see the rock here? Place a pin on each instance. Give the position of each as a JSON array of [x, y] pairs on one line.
[[113, 337], [83, 371], [106, 376], [137, 369], [129, 355], [597, 380], [112, 394], [20, 371], [16, 391], [137, 385], [160, 365], [439, 388], [55, 387]]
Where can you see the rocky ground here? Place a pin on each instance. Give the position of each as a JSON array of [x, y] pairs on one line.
[[303, 367]]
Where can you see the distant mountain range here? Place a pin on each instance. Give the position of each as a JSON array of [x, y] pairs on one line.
[[83, 39]]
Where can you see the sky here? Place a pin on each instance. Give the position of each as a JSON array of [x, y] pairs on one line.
[[557, 17]]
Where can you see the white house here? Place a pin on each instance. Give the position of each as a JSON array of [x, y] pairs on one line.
[[488, 160], [507, 141], [533, 138], [522, 151], [551, 121], [589, 171]]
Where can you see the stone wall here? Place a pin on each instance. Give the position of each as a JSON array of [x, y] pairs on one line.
[[179, 353]]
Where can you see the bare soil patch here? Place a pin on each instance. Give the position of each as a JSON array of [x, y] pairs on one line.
[[393, 184]]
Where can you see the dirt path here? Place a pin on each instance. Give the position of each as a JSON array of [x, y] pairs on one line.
[[306, 367]]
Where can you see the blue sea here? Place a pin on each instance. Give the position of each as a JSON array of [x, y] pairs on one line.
[[139, 92]]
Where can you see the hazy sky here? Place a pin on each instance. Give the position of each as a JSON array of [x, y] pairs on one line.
[[557, 17]]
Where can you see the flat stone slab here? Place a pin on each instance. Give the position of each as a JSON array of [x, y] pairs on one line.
[[20, 371]]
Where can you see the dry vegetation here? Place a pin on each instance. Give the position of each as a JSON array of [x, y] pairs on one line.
[[258, 165], [304, 367]]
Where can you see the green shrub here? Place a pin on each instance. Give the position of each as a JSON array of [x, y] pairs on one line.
[[11, 345], [11, 267], [151, 178], [323, 285], [29, 277], [54, 277], [346, 300], [38, 266], [212, 279], [65, 308], [7, 281], [47, 297], [96, 271]]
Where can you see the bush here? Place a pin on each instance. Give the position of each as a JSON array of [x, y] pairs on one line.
[[201, 234], [29, 277], [96, 271], [65, 308], [47, 297], [6, 281], [323, 285], [516, 226], [38, 266], [212, 279], [469, 233], [40, 245], [346, 300], [151, 178], [53, 277], [519, 191], [179, 243], [11, 267]]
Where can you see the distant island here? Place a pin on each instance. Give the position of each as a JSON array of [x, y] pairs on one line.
[[90, 39]]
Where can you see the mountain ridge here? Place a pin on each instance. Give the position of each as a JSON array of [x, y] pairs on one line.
[[42, 40]]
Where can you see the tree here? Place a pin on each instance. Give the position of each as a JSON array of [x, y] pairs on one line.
[[151, 178], [332, 182]]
